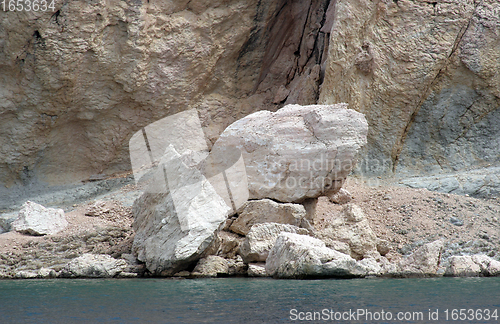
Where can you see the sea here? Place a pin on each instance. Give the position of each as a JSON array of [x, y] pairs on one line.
[[251, 300]]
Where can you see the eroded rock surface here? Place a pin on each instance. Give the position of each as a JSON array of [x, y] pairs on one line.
[[35, 219], [297, 152]]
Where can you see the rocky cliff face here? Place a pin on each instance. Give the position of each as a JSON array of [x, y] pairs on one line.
[[426, 76], [75, 84]]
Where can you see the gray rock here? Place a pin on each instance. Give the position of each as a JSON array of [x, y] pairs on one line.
[[93, 266], [455, 221], [174, 226], [267, 211], [297, 152], [261, 239], [34, 219]]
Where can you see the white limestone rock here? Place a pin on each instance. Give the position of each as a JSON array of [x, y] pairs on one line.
[[299, 256], [472, 266], [267, 211], [175, 225], [93, 266], [35, 219], [257, 270], [297, 152], [261, 239]]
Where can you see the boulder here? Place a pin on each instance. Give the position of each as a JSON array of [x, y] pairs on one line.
[[423, 262], [297, 152], [35, 219], [261, 239], [353, 228], [225, 244], [257, 270], [211, 266], [174, 224], [472, 266], [267, 211], [93, 266], [237, 267], [296, 256]]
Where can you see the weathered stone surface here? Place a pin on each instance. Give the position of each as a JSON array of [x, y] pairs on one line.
[[174, 227], [423, 262], [353, 228], [225, 244], [78, 81], [431, 96], [211, 266], [472, 266], [261, 239], [237, 267], [297, 152], [93, 266], [342, 197], [267, 211], [257, 270], [35, 219], [301, 256]]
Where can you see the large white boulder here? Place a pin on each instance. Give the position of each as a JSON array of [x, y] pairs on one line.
[[176, 223], [261, 239], [297, 152], [302, 256], [267, 211], [35, 219]]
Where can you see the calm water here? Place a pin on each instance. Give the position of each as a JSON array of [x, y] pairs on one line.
[[233, 300]]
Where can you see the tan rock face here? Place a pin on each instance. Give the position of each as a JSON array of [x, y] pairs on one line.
[[78, 82], [426, 77]]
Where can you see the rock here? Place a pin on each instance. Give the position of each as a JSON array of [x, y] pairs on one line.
[[93, 266], [383, 247], [23, 274], [353, 228], [423, 262], [46, 273], [439, 130], [6, 221], [183, 273], [342, 197], [237, 267], [225, 244], [174, 227], [462, 266], [261, 239], [34, 219], [211, 266], [455, 221], [297, 152], [297, 256], [267, 211], [257, 270]]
